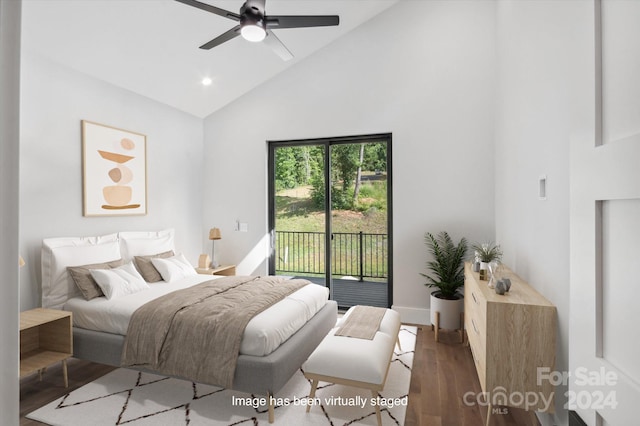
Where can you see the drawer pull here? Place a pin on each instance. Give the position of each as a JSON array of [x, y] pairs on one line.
[[474, 326], [474, 297]]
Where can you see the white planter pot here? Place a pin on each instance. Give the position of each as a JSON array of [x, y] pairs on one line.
[[449, 311]]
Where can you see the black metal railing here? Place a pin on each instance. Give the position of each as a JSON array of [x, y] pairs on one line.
[[358, 254]]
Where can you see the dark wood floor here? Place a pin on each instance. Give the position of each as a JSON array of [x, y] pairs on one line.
[[442, 373], [35, 394]]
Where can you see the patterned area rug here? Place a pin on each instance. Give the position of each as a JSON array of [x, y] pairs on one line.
[[128, 397]]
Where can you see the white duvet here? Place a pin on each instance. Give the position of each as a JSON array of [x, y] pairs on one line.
[[264, 333]]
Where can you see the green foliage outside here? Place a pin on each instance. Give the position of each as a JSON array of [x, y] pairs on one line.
[[300, 196], [303, 165]]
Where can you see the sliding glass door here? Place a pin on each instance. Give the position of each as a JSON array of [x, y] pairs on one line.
[[329, 215]]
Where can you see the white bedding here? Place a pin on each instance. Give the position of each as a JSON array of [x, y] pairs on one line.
[[264, 333]]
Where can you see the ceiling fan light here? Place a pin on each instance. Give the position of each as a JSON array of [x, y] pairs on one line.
[[253, 32]]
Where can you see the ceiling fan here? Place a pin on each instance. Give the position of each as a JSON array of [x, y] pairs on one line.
[[255, 25]]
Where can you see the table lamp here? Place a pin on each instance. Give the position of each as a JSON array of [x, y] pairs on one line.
[[214, 234]]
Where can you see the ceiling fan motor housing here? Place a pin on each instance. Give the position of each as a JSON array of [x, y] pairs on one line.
[[252, 16]]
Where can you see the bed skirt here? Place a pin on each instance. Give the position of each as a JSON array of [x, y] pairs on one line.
[[254, 374]]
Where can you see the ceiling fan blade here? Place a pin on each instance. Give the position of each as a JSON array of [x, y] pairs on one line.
[[276, 22], [232, 33], [212, 9], [277, 46]]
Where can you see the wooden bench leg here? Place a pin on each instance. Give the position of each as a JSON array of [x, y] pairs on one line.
[[378, 414], [437, 326], [271, 408], [64, 373], [312, 395]]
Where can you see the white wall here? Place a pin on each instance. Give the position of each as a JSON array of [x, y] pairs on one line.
[[9, 180], [543, 65], [54, 100], [423, 71]]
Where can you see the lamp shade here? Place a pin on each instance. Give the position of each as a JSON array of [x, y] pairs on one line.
[[214, 234]]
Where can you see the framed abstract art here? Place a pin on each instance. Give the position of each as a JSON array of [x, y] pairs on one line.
[[114, 171]]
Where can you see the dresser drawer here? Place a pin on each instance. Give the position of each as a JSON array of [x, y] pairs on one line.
[[476, 326], [479, 360], [474, 299]]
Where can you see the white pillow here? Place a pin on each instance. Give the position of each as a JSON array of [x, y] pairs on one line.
[[119, 281], [59, 253], [145, 243], [173, 268]]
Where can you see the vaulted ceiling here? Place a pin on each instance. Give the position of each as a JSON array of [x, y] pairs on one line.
[[150, 47]]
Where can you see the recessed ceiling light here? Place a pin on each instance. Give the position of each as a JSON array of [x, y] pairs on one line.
[[206, 81]]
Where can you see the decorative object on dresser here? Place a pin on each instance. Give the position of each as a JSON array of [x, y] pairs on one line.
[[500, 288], [45, 339], [488, 252], [214, 234], [490, 255], [512, 337], [114, 163], [447, 275]]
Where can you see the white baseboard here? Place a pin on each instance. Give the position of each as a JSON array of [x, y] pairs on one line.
[[413, 315]]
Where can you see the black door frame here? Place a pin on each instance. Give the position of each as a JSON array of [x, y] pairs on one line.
[[328, 142]]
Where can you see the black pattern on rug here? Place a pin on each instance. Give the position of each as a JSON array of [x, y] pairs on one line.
[[184, 395]]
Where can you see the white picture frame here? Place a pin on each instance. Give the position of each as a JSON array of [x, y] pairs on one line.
[[114, 171]]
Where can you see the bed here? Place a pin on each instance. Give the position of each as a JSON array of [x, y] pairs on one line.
[[275, 343]]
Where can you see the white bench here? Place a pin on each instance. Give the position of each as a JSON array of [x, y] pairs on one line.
[[355, 362]]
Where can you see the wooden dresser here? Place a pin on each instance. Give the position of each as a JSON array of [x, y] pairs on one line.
[[510, 336]]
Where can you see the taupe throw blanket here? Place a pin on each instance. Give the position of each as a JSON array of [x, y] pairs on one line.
[[196, 333], [363, 322]]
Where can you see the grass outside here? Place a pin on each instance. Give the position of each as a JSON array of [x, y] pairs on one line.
[[295, 212]]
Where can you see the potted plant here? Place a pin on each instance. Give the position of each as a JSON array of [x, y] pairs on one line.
[[490, 255], [487, 252], [447, 275]]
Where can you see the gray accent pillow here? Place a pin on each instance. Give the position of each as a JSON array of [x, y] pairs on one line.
[[84, 281], [146, 268]]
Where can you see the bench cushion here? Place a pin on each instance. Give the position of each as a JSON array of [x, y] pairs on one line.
[[355, 359]]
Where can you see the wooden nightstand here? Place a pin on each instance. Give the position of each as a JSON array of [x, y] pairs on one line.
[[45, 338], [220, 270]]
